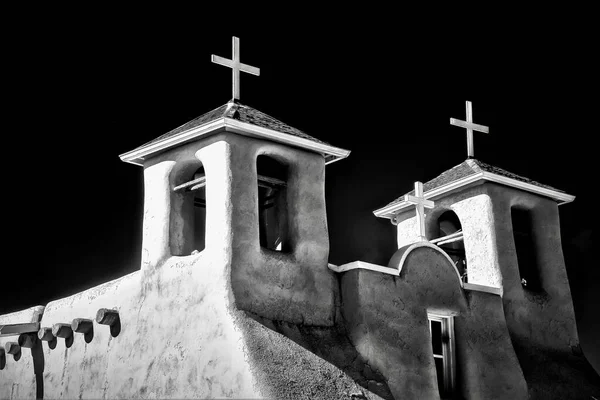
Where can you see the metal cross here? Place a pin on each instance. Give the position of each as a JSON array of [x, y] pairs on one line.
[[470, 128], [419, 200], [236, 66]]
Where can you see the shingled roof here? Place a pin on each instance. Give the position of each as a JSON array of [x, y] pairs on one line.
[[240, 112], [465, 169], [239, 118]]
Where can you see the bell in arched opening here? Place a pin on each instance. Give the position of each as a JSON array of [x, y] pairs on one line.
[[450, 239]]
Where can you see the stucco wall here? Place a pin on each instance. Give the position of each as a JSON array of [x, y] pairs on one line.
[[295, 286], [484, 211], [546, 319], [473, 207], [488, 367], [178, 338], [240, 321], [181, 314], [387, 322], [541, 324]]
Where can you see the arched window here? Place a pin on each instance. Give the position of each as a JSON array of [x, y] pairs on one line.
[[450, 239], [194, 211], [525, 246], [272, 203]]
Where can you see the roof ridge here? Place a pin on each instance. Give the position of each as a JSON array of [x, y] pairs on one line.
[[474, 163]]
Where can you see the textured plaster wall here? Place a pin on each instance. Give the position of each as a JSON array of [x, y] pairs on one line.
[[387, 322], [488, 367], [541, 324], [240, 321], [546, 319], [179, 337], [473, 207], [296, 286], [181, 333]]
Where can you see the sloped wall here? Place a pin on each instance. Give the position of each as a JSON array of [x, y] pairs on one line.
[[178, 338], [182, 337]]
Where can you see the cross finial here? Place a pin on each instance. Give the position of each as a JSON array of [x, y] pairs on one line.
[[236, 66], [470, 128], [419, 201]]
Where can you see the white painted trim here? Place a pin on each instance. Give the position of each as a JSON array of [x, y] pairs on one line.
[[202, 130], [231, 125], [245, 128], [483, 288], [363, 265], [389, 211], [432, 246], [565, 198], [448, 347]]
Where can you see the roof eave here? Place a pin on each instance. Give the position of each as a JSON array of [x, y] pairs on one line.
[[138, 155], [390, 210]]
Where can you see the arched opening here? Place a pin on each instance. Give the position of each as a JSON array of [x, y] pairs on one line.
[[194, 211], [272, 203], [522, 224], [450, 239]]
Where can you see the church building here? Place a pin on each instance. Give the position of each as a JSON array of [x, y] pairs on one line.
[[235, 296]]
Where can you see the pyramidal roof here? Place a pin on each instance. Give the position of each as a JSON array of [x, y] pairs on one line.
[[235, 117], [468, 172]]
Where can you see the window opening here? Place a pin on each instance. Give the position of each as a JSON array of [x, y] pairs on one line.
[[272, 203], [195, 190], [441, 329], [525, 246]]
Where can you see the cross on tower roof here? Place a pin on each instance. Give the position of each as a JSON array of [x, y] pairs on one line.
[[236, 66], [421, 203], [470, 128]]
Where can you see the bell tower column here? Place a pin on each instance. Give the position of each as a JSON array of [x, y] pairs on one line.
[[157, 209]]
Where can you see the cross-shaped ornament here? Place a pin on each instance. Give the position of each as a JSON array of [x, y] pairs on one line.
[[421, 203], [236, 66], [470, 128]]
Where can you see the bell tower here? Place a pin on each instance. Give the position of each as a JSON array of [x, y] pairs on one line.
[[243, 188], [502, 231]]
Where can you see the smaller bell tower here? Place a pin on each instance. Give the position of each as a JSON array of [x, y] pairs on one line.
[[502, 231]]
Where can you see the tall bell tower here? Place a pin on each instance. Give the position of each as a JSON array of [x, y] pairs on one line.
[[247, 189]]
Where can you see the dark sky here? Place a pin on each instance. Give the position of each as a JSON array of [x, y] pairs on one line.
[[80, 91]]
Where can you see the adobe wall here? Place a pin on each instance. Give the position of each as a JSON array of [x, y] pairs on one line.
[[484, 211], [544, 319], [183, 324], [387, 322], [181, 337], [473, 207], [296, 286]]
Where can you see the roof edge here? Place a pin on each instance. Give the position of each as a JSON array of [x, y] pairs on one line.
[[136, 156], [562, 198]]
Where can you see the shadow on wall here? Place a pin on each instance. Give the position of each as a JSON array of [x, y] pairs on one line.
[[282, 365], [37, 354]]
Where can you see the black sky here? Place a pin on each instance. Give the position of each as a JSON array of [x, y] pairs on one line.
[[80, 91]]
